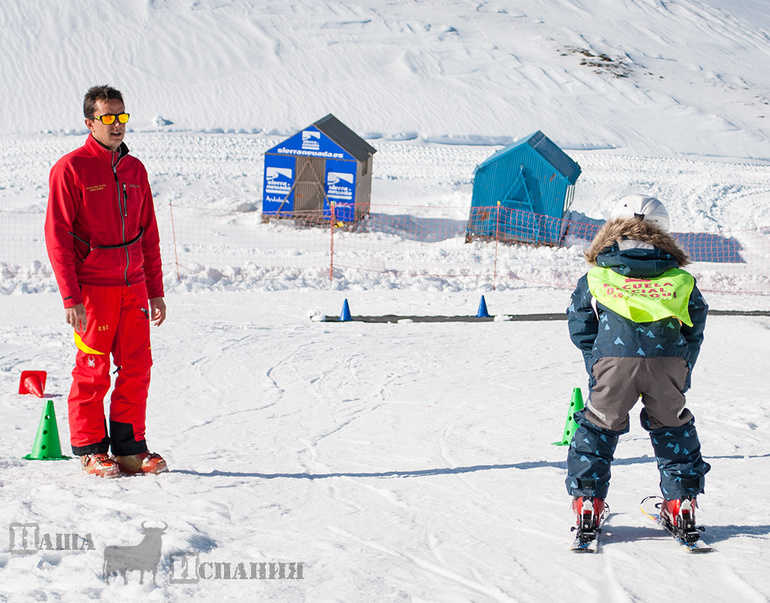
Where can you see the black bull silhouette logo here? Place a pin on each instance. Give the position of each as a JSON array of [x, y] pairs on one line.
[[143, 557]]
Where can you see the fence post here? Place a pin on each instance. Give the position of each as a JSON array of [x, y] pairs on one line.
[[497, 238], [173, 236], [331, 248]]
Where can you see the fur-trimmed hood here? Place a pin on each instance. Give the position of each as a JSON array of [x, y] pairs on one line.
[[634, 229]]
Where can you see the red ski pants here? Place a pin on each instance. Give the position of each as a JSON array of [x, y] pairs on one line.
[[117, 324]]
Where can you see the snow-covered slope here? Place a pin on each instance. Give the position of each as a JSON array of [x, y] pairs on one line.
[[395, 462], [647, 76]]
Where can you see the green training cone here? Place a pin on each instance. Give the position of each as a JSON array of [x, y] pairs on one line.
[[575, 405], [47, 446]]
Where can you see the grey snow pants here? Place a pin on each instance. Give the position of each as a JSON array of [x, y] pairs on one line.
[[620, 384]]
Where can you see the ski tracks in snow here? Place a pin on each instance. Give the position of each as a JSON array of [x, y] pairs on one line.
[[421, 564]]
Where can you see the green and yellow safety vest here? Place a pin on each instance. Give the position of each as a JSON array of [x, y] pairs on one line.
[[643, 299]]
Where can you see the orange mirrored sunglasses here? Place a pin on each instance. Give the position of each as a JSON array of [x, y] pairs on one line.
[[109, 118]]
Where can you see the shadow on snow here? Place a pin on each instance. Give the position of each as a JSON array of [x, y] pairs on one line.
[[433, 472]]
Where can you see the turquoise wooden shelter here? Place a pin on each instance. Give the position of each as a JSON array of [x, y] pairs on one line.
[[521, 192]]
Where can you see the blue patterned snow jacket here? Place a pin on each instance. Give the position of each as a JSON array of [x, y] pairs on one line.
[[636, 249]]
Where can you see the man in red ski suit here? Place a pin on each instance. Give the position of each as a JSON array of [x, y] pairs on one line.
[[103, 244]]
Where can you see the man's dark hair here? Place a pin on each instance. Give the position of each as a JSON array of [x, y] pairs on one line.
[[99, 93]]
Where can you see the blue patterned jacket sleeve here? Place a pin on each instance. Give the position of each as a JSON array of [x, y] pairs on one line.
[[698, 309], [582, 321]]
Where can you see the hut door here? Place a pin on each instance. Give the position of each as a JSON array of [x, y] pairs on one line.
[[309, 184]]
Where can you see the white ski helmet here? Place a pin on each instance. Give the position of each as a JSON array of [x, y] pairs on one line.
[[648, 208]]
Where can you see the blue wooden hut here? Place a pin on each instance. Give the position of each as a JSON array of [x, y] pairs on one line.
[[323, 165], [521, 192]]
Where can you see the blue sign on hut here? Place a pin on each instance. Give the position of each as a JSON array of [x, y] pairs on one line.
[[521, 192], [324, 165]]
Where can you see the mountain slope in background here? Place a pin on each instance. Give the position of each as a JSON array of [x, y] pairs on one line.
[[397, 462], [650, 77]]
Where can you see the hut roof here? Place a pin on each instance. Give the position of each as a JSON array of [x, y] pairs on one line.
[[345, 137], [544, 147]]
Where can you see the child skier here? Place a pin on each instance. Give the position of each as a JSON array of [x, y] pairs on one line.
[[638, 318]]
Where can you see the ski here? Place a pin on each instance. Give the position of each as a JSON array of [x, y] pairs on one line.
[[586, 542], [587, 538], [689, 540]]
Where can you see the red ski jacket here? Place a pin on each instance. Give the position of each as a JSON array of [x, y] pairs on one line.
[[100, 225]]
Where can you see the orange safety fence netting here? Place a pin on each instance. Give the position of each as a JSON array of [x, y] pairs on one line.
[[494, 245]]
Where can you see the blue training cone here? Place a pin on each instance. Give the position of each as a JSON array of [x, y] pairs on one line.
[[345, 314], [482, 311]]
